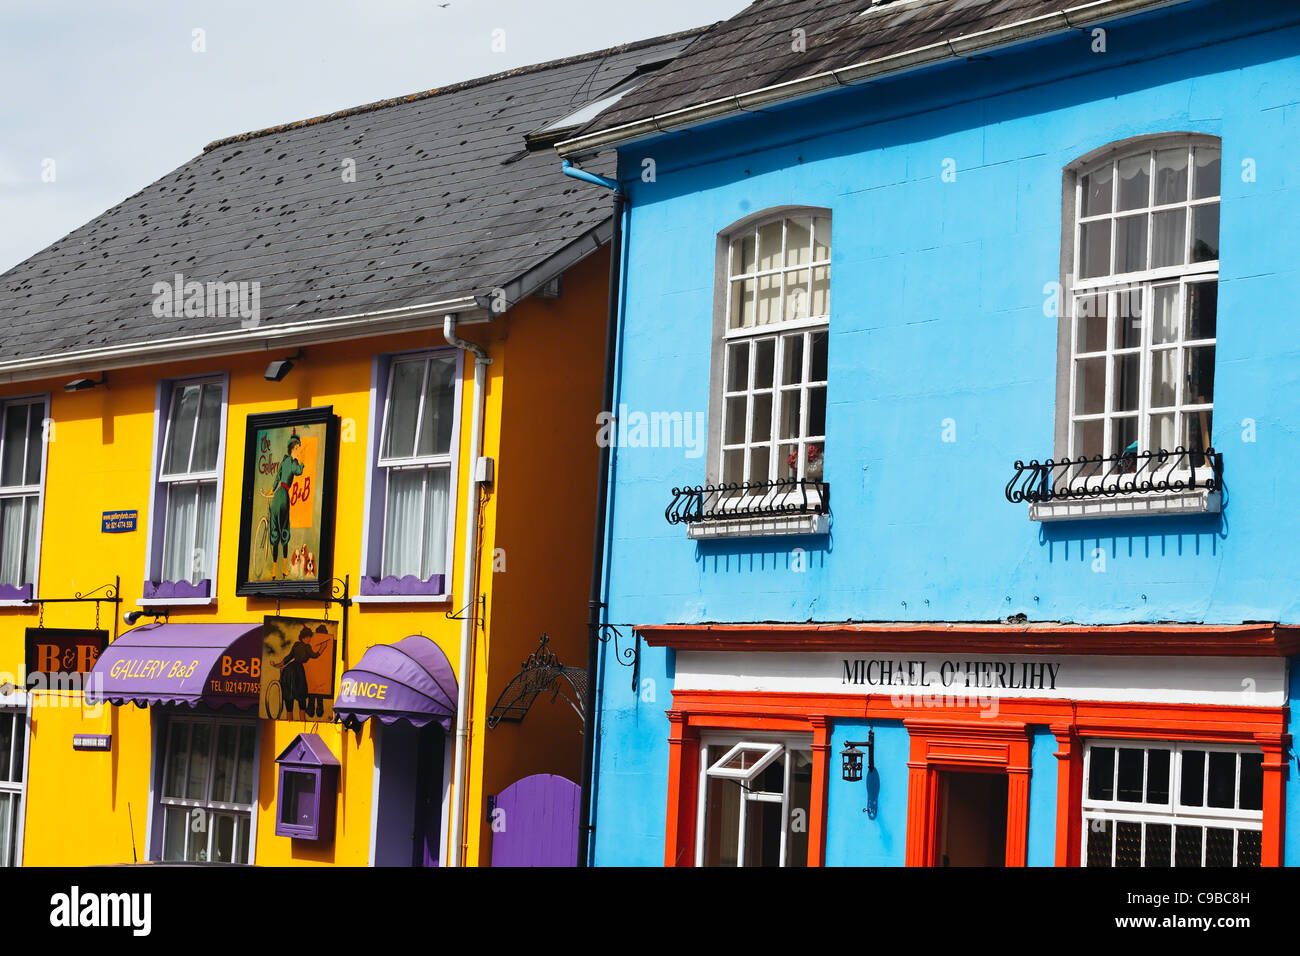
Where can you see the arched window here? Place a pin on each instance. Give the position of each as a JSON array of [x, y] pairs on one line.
[[1141, 288], [777, 313]]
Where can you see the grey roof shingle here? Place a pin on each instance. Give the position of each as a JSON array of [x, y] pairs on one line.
[[446, 203], [755, 49]]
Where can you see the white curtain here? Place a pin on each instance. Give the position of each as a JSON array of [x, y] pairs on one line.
[[8, 803], [415, 522], [13, 562], [188, 536], [205, 532]]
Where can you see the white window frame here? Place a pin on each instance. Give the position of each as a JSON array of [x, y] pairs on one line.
[[17, 706], [377, 466], [160, 485], [23, 491], [160, 800], [1170, 813], [777, 332], [1076, 290], [710, 767]]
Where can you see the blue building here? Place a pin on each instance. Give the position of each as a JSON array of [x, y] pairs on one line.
[[958, 262]]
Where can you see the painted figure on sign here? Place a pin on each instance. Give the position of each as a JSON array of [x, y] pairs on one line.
[[291, 467], [293, 675]]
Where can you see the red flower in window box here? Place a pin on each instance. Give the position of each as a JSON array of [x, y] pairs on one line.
[[813, 469]]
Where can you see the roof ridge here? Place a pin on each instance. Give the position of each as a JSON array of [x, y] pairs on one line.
[[457, 87]]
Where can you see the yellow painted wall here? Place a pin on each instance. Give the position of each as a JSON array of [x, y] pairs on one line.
[[82, 808]]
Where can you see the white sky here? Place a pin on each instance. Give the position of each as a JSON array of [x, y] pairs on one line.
[[114, 94]]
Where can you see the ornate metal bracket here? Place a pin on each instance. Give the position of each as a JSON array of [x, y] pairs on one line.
[[542, 672], [628, 656], [112, 595]]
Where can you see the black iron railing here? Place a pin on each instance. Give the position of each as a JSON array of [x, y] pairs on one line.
[[1076, 479], [749, 499]]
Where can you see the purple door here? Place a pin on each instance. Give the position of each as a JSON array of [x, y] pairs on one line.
[[535, 823]]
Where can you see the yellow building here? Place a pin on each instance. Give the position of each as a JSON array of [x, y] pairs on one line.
[[440, 288]]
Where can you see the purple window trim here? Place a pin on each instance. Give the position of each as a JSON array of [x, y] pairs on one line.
[[407, 585], [161, 590], [15, 592]]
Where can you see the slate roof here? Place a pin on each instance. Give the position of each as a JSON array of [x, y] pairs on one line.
[[754, 49], [446, 203]]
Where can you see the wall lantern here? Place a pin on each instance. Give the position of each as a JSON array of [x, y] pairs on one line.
[[84, 384], [852, 757], [279, 368], [308, 790]]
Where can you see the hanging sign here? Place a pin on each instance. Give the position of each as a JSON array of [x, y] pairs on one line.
[[62, 651]]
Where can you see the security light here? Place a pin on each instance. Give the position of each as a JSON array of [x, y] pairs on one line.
[[278, 369], [132, 616], [81, 384]]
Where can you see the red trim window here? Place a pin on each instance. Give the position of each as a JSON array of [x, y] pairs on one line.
[[1161, 804], [755, 795]]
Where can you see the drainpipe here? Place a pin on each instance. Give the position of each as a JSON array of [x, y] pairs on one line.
[[469, 584], [595, 604]]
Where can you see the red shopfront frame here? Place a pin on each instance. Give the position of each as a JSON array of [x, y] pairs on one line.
[[960, 737]]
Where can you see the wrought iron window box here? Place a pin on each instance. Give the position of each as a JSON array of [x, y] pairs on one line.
[[787, 506], [1138, 484]]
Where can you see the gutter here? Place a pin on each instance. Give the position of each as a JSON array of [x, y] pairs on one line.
[[235, 341], [595, 599], [1066, 20], [469, 585]]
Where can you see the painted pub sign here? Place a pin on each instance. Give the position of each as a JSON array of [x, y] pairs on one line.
[[286, 530], [298, 669], [58, 652]]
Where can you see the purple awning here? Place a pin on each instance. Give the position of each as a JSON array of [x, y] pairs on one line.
[[180, 664], [409, 680]]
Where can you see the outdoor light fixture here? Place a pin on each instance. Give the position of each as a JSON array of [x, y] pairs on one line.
[[132, 616], [81, 384], [852, 757], [279, 368]]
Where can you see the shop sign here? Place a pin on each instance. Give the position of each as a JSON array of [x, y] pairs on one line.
[[297, 669], [55, 651], [115, 522]]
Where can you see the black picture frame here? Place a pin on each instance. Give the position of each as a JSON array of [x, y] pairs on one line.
[[255, 425]]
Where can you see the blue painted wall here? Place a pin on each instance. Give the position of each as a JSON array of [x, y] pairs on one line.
[[1042, 799], [860, 838], [937, 312]]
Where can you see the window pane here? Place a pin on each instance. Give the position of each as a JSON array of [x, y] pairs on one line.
[[1202, 310], [175, 825], [223, 838], [241, 841], [196, 787], [721, 821], [1089, 439], [1128, 843], [821, 291], [1131, 243], [760, 463], [1169, 238], [1090, 386], [439, 407], [437, 493], [1134, 185], [1097, 187], [1157, 776], [6, 744], [1127, 371], [1164, 317], [205, 533], [8, 813], [787, 460], [35, 436], [733, 432], [1205, 233], [31, 504], [1200, 375], [180, 432], [742, 255], [821, 238], [13, 558], [769, 299], [737, 366], [177, 749], [792, 359], [1124, 437], [12, 469], [1191, 794], [403, 409], [763, 826], [798, 241], [1129, 789], [1095, 253], [244, 772], [1159, 840], [764, 362], [1187, 846], [1252, 782], [297, 797], [790, 407], [1198, 431], [403, 522], [800, 803], [817, 371], [1091, 318], [1162, 432], [1128, 318], [1222, 791], [816, 412], [223, 773], [1171, 176], [1099, 842], [742, 304], [769, 245], [761, 425], [1101, 773], [733, 467], [1248, 847], [1164, 379], [199, 823], [1218, 846], [178, 534], [1206, 183], [208, 437], [796, 295]]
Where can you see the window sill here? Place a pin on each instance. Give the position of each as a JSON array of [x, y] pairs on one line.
[[9, 603], [759, 527], [176, 602], [400, 598], [1194, 502]]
